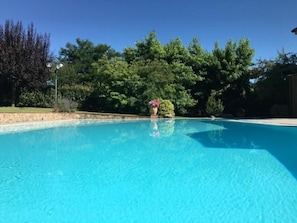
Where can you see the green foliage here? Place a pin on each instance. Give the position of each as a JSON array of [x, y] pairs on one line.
[[66, 105], [115, 85], [95, 77], [156, 79], [278, 110], [36, 99], [183, 101], [163, 72], [82, 54], [271, 82], [77, 93], [150, 48], [226, 72], [214, 106], [176, 52], [152, 70], [166, 108], [67, 75]]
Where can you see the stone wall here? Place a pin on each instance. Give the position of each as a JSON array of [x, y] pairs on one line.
[[7, 118]]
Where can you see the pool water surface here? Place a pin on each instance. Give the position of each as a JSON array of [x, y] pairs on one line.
[[179, 170]]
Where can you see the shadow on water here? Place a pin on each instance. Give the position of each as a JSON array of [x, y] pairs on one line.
[[280, 141]]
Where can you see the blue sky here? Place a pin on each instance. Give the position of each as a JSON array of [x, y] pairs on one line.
[[120, 23]]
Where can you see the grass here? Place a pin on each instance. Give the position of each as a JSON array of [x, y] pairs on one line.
[[47, 110], [25, 109]]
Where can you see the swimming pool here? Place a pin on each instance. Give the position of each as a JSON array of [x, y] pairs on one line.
[[183, 170]]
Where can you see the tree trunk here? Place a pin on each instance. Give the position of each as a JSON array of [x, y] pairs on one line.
[[13, 95]]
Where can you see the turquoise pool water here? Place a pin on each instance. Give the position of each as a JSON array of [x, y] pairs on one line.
[[183, 170]]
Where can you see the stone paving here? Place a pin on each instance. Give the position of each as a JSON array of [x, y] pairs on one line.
[[8, 118], [15, 122], [274, 121]]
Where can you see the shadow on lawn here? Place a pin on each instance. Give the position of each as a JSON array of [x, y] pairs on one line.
[[280, 141]]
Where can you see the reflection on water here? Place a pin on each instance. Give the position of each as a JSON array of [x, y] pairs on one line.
[[162, 128], [155, 130], [280, 141]]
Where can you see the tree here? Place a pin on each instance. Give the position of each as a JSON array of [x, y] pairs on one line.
[[115, 86], [149, 49], [127, 82], [214, 106], [82, 54], [23, 58], [225, 73], [156, 81], [164, 72], [271, 87], [79, 79], [176, 52]]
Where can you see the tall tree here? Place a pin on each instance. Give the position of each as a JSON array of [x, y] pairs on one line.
[[271, 82], [164, 72], [175, 51], [225, 73], [115, 86], [23, 57], [82, 54], [149, 49]]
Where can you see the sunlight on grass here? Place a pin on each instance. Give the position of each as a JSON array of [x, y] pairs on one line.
[[48, 110], [25, 109]]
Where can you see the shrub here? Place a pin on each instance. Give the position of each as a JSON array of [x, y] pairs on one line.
[[166, 108], [279, 110], [35, 99], [77, 93], [66, 105], [214, 106]]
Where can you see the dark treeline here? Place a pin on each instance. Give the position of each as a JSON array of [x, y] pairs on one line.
[[23, 55], [97, 78]]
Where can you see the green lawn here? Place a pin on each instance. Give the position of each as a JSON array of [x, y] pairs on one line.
[[32, 109], [25, 109]]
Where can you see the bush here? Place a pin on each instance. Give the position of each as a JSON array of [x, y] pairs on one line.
[[77, 93], [166, 108], [66, 105], [214, 106], [35, 99], [278, 110]]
